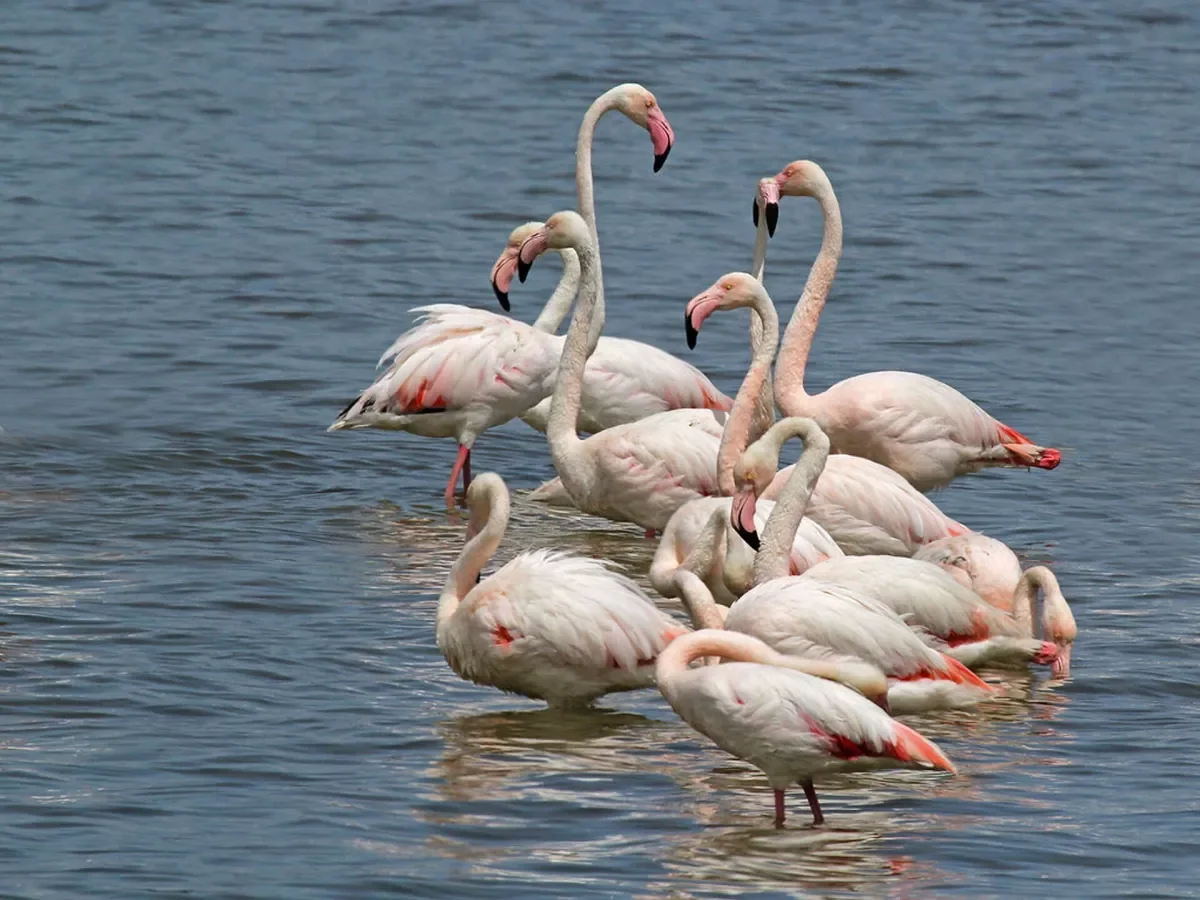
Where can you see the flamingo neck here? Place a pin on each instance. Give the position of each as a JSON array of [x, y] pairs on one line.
[[566, 449], [1058, 623], [493, 513], [698, 600], [737, 647], [560, 301], [740, 424], [583, 156], [779, 533], [797, 340], [764, 411]]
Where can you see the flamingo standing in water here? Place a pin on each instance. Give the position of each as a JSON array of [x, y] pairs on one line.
[[920, 427], [462, 371], [795, 719], [624, 380], [640, 472], [546, 625]]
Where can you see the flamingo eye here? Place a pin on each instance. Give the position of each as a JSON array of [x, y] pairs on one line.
[[727, 286], [649, 103]]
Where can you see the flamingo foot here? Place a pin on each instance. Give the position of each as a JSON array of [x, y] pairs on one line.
[[461, 464], [778, 808], [811, 793]]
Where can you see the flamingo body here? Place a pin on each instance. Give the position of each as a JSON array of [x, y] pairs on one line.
[[807, 617], [871, 509], [985, 565]]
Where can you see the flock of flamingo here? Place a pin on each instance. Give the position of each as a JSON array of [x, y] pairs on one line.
[[826, 596]]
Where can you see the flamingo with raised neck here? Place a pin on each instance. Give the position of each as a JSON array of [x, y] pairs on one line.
[[920, 427]]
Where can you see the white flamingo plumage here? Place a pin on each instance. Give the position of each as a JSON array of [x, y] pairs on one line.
[[974, 632], [789, 717], [920, 427], [546, 625], [985, 565], [624, 380]]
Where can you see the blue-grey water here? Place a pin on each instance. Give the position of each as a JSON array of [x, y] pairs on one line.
[[217, 658]]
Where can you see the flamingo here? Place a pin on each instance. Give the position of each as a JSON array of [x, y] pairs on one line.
[[462, 371], [624, 380], [640, 472], [865, 507], [794, 719], [546, 625], [920, 427]]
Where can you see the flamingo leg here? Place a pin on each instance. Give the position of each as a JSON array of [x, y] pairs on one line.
[[459, 462], [811, 793], [778, 808]]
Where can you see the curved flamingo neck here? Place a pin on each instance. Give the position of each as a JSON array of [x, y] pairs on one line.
[[583, 156], [492, 512], [698, 600], [780, 530], [566, 449], [1058, 623], [742, 418], [737, 647], [560, 301], [797, 340]]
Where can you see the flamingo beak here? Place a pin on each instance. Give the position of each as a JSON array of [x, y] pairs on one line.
[[698, 309], [535, 245], [1061, 667], [768, 196], [502, 275], [882, 702], [741, 513], [661, 134]]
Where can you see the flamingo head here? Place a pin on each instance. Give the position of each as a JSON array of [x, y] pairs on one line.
[[640, 106], [802, 178], [752, 474], [563, 230], [1058, 622], [730, 291], [506, 266], [767, 198]]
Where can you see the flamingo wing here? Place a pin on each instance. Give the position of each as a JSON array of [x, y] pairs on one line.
[[461, 360]]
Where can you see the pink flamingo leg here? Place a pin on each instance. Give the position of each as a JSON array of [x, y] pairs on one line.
[[460, 462], [778, 808], [811, 793]]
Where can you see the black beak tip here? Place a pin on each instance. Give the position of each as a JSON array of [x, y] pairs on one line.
[[691, 332], [750, 537], [755, 213], [522, 270], [661, 158], [772, 218], [502, 296]]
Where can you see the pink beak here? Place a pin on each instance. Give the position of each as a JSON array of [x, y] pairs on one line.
[[535, 245], [698, 309], [661, 134], [502, 275], [1061, 667], [741, 513]]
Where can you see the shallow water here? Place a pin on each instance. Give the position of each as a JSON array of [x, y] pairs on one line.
[[217, 658]]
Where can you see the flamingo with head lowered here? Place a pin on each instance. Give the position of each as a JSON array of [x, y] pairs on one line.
[[462, 371], [546, 625], [920, 427], [795, 719]]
